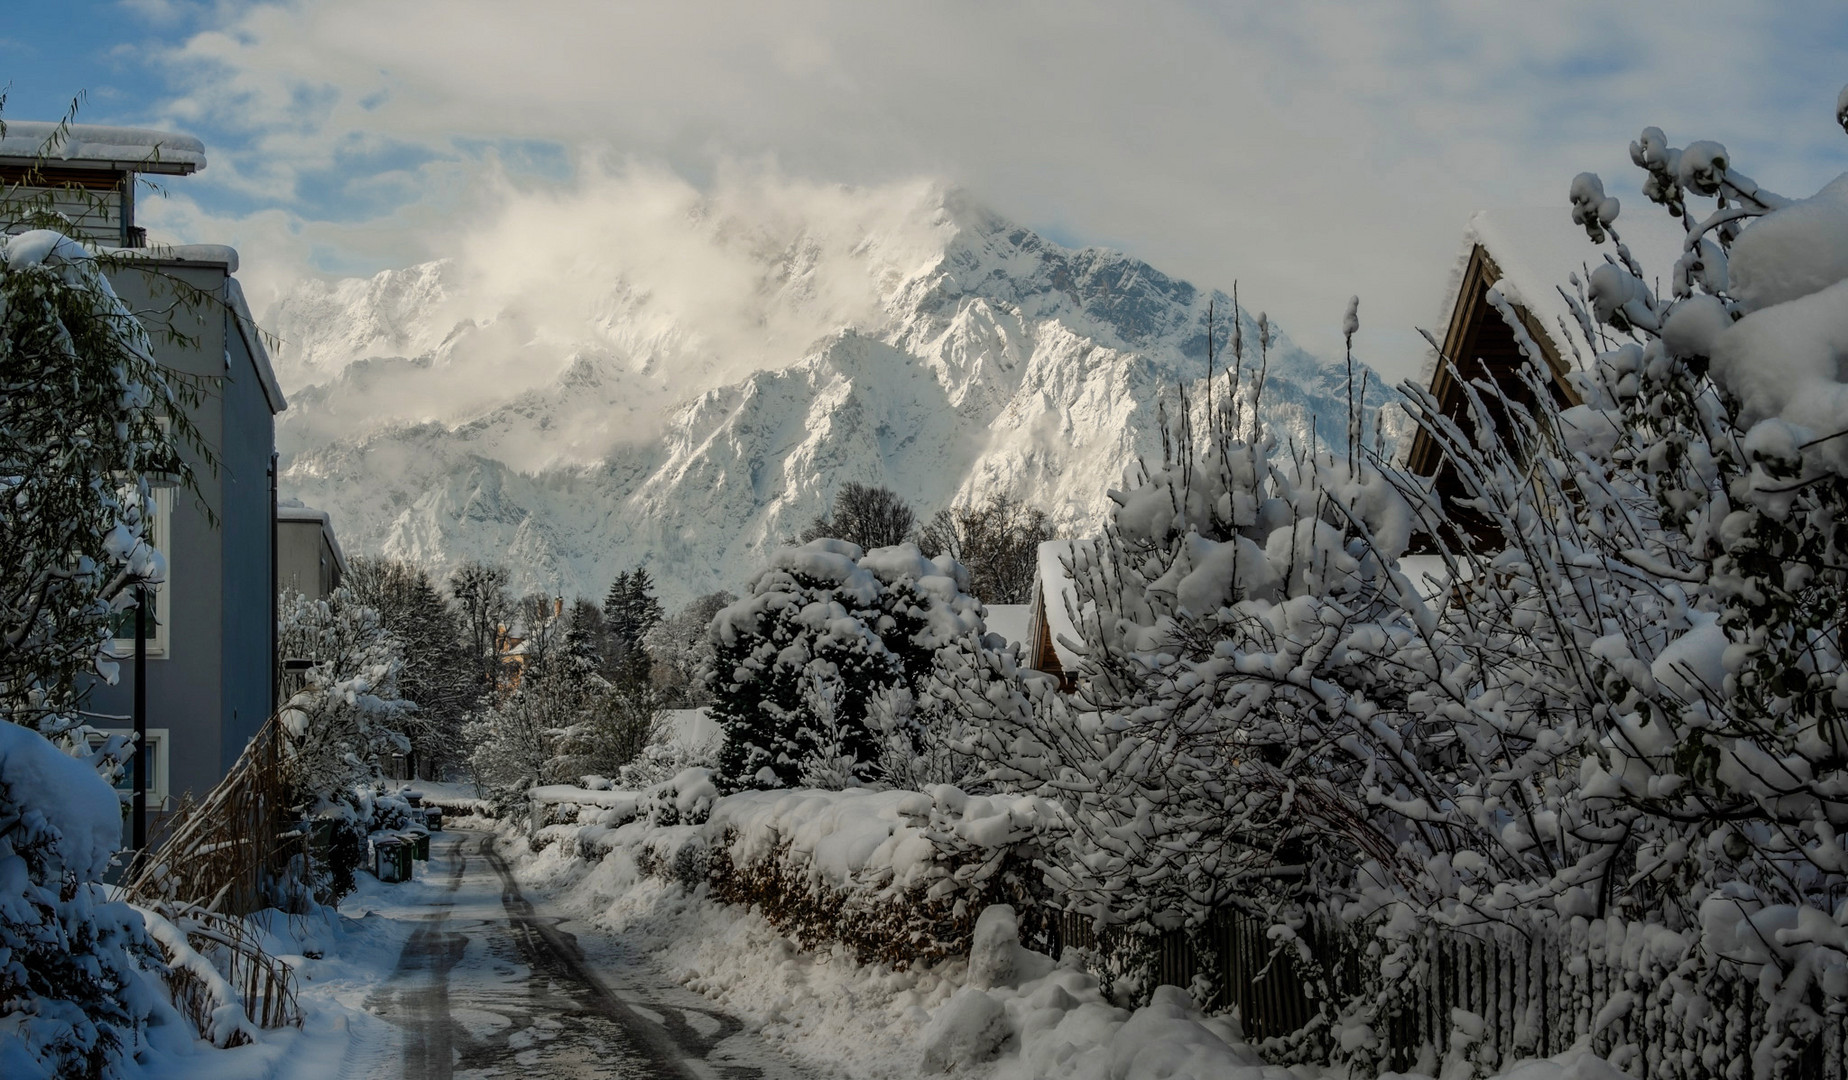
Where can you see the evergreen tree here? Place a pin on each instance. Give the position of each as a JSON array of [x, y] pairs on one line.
[[826, 633], [438, 674], [630, 611], [585, 636]]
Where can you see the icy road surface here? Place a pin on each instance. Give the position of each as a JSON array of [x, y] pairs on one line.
[[490, 985]]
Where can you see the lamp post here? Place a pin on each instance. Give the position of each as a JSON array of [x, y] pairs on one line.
[[140, 810]]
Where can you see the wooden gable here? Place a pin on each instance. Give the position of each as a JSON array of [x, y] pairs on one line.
[[1041, 655], [1481, 345]]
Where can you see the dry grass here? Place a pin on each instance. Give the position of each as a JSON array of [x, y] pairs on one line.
[[221, 859]]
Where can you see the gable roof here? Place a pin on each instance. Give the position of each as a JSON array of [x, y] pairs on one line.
[[1527, 255], [1535, 251]]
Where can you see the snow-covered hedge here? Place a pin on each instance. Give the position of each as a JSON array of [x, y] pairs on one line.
[[897, 876]]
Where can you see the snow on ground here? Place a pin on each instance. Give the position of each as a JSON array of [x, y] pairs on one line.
[[868, 1020], [339, 959]]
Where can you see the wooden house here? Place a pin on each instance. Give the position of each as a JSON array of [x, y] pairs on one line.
[[1528, 257]]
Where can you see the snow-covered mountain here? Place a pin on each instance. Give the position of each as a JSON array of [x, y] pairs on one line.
[[684, 385]]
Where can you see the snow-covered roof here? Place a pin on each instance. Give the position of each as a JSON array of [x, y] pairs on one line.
[[295, 510], [225, 256], [212, 254], [253, 339], [98, 146], [1538, 249], [1011, 621], [1055, 590]]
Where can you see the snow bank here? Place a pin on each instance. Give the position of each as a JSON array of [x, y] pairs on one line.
[[67, 792], [898, 875], [964, 1015]]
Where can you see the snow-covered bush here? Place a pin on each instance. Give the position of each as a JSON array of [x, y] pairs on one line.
[[826, 633], [346, 713], [897, 876], [667, 756], [1243, 619], [72, 996], [86, 416]]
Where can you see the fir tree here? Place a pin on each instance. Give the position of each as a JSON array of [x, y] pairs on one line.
[[630, 611]]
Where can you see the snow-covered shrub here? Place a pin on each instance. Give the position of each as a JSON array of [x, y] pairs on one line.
[[1243, 619], [825, 632], [72, 998], [86, 415], [896, 876], [666, 757], [347, 712]]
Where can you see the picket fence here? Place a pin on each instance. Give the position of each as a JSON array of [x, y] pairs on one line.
[[1489, 996]]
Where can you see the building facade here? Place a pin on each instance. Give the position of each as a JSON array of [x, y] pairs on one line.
[[308, 556], [210, 652]]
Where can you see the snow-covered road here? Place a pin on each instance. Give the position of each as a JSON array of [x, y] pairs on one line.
[[490, 984]]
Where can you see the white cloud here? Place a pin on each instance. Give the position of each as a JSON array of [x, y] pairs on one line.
[[648, 290], [1312, 150]]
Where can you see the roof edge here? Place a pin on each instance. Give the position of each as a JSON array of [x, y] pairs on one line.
[[253, 342]]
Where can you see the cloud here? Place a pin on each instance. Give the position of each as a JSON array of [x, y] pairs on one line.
[[1311, 150], [610, 301]]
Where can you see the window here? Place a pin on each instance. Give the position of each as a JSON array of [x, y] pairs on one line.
[[160, 532], [156, 766]]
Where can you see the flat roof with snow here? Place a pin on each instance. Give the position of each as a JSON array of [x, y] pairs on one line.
[[97, 146]]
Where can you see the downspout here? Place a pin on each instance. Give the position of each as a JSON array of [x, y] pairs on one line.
[[273, 581]]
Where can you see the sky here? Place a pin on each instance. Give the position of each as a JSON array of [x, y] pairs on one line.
[[1309, 151]]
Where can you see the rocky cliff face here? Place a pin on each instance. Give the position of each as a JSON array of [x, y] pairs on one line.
[[570, 423]]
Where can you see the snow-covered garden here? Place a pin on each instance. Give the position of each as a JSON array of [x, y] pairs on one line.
[[1579, 787], [1566, 800]]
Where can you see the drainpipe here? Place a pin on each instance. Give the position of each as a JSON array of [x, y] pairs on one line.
[[273, 581]]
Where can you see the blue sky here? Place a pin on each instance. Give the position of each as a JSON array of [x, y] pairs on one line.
[[1309, 150]]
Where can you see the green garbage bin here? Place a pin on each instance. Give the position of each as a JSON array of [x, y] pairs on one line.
[[419, 842], [391, 859]]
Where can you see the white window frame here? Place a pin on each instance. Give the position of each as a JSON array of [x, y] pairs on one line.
[[160, 534], [157, 752]]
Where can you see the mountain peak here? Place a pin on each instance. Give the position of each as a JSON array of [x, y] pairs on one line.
[[685, 381]]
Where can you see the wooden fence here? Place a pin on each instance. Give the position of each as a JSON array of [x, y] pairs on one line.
[[1487, 997], [227, 852], [220, 859]]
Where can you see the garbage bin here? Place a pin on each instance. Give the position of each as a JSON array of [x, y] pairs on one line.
[[419, 842], [433, 818], [391, 859]]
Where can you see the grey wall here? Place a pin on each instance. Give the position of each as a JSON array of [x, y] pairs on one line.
[[304, 562], [212, 689], [249, 439]]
